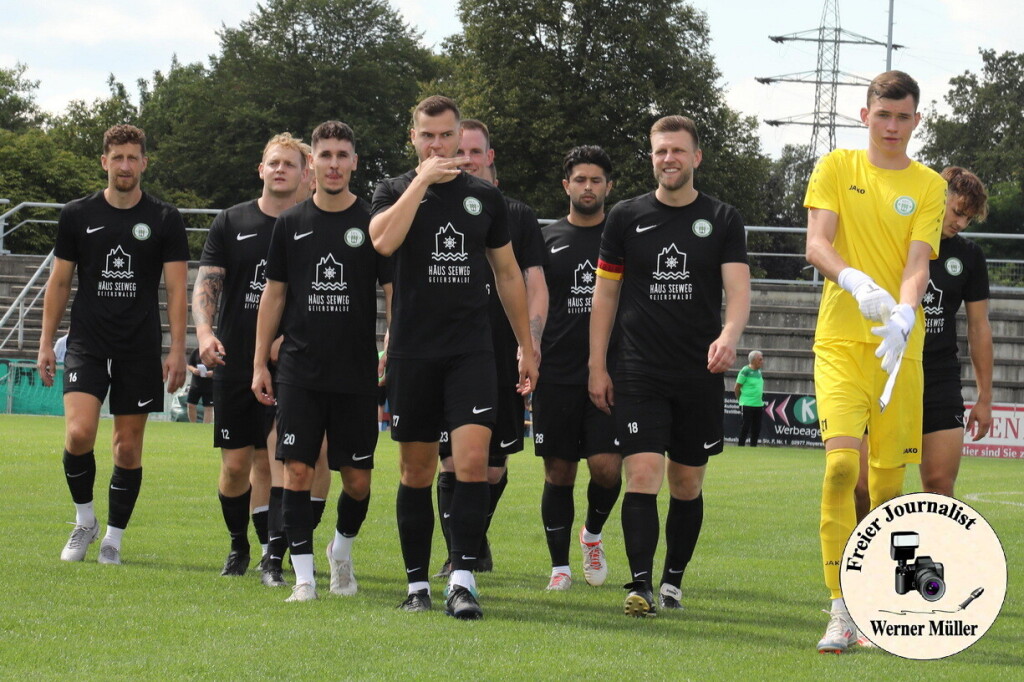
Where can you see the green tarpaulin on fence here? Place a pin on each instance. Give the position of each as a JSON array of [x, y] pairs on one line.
[[22, 392]]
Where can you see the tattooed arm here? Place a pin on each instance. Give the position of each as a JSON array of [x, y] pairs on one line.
[[536, 305], [205, 298]]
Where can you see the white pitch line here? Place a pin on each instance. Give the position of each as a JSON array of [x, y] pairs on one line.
[[982, 497]]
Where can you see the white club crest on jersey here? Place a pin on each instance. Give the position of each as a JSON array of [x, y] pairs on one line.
[[259, 276], [701, 228], [119, 264], [671, 265], [449, 244], [354, 237], [141, 231], [904, 205], [329, 275], [932, 299], [583, 278], [117, 280]]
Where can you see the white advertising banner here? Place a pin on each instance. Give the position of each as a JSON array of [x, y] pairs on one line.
[[1005, 440]]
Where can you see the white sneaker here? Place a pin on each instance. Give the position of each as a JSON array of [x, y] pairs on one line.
[[560, 582], [343, 579], [303, 592], [78, 543], [839, 635], [595, 568], [109, 554]]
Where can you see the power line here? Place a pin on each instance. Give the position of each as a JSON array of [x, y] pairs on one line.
[[826, 78]]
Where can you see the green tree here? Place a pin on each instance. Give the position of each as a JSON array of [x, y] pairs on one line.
[[79, 129], [549, 75], [18, 109], [984, 132], [783, 200], [290, 66], [36, 167]]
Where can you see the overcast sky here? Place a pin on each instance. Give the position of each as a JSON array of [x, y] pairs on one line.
[[72, 46]]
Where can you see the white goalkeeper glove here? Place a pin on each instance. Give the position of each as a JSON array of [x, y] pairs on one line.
[[874, 301], [894, 335]]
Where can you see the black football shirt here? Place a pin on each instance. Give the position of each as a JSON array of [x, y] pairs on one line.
[[119, 254], [959, 274], [330, 314], [571, 254], [238, 241], [670, 262], [528, 247], [440, 305]]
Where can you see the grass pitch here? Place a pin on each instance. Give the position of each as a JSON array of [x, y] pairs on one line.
[[753, 593]]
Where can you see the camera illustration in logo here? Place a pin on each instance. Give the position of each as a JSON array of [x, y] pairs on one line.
[[924, 575]]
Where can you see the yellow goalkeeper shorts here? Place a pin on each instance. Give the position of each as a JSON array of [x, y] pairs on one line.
[[848, 380]]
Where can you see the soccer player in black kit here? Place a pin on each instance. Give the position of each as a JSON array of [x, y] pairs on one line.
[[120, 240], [507, 437], [567, 427], [322, 273], [233, 267], [665, 258], [443, 226]]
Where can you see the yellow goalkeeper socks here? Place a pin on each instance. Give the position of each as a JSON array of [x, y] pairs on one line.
[[838, 512]]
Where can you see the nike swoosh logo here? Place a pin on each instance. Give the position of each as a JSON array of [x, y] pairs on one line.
[[468, 558], [300, 544], [560, 248], [675, 572], [708, 446], [83, 473], [276, 558], [411, 570], [423, 201], [446, 515], [90, 230], [637, 575], [143, 403], [243, 237], [644, 229], [297, 237], [114, 487], [508, 444], [273, 539], [552, 530], [481, 410], [360, 458]]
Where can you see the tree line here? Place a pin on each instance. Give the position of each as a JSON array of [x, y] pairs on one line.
[[545, 76]]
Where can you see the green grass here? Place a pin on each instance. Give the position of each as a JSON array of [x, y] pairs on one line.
[[753, 593]]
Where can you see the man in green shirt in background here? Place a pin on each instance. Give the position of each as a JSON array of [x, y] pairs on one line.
[[749, 391]]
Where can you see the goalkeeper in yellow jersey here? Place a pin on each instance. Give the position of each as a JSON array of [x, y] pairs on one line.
[[874, 222]]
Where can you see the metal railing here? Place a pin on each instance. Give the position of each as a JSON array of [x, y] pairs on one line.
[[1010, 269], [19, 304]]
